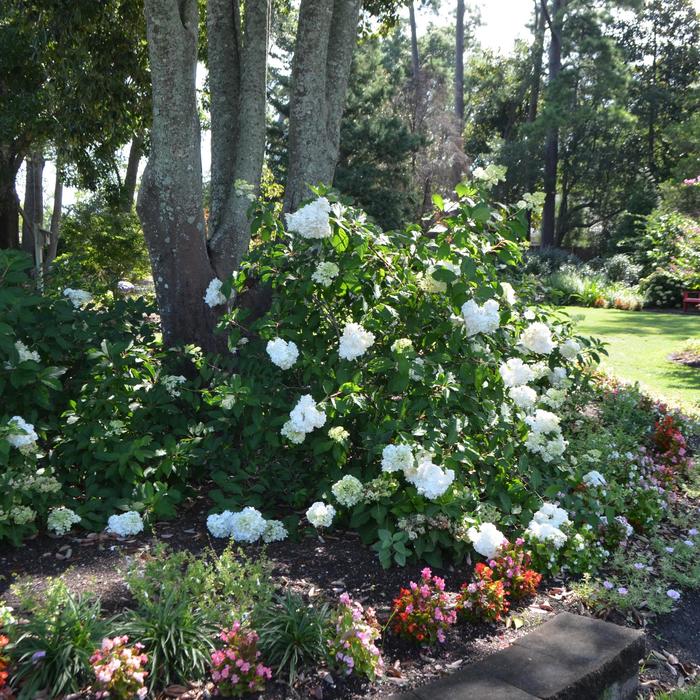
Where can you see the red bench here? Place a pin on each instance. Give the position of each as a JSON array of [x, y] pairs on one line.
[[691, 297]]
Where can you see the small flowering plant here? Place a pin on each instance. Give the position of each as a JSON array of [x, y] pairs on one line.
[[4, 665], [422, 612], [671, 450], [353, 649], [119, 669], [485, 598], [236, 668], [512, 567]]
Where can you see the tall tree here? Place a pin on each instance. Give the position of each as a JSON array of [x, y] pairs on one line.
[[170, 202], [551, 152], [459, 63], [326, 38]]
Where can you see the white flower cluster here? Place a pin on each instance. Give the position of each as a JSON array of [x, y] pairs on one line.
[[570, 349], [355, 341], [125, 524], [171, 382], [325, 273], [312, 220], [554, 398], [247, 525], [348, 491], [545, 436], [515, 372], [594, 479], [23, 434], [480, 319], [77, 297], [214, 297], [429, 479], [303, 419], [509, 293], [320, 514], [61, 520], [537, 338], [558, 377], [338, 434], [486, 539], [427, 281], [125, 287], [523, 397], [25, 353], [283, 354], [402, 345], [546, 525]]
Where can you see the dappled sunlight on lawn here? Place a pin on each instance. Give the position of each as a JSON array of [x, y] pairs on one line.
[[639, 345]]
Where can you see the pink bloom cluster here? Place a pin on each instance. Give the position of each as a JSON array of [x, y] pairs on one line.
[[119, 669], [422, 613], [689, 182], [353, 648], [235, 667]]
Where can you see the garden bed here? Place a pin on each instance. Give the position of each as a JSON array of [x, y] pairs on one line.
[[322, 568]]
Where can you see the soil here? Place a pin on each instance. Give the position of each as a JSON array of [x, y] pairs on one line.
[[324, 568]]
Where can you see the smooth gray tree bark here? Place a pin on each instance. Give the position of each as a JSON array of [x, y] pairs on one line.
[[325, 41], [170, 203], [238, 82], [33, 220]]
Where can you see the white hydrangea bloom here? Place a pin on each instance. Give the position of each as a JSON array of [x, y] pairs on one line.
[[228, 401], [125, 287], [540, 369], [348, 491], [312, 220], [325, 273], [486, 539], [509, 293], [61, 520], [305, 416], [25, 353], [275, 531], [338, 434], [355, 341], [554, 398], [401, 345], [219, 524], [523, 397], [23, 434], [430, 480], [570, 349], [283, 354], [292, 434], [549, 448], [320, 514], [558, 377], [537, 338], [171, 383], [594, 479], [397, 458], [480, 319], [247, 525], [125, 524], [77, 297], [546, 532], [552, 514], [515, 372], [214, 296], [543, 422]]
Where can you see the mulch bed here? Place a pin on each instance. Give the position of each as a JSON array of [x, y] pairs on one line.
[[340, 562], [687, 358]]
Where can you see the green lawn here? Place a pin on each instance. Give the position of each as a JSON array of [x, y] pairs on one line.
[[639, 343]]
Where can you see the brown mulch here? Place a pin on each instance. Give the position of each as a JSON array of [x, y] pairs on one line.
[[324, 568], [689, 358]]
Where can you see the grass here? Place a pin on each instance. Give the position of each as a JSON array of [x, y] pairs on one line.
[[639, 343], [692, 693]]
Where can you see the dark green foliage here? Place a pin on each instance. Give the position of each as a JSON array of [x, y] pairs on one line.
[[53, 649], [293, 634]]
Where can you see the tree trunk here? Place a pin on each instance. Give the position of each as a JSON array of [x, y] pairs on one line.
[[551, 156], [459, 64], [170, 197], [415, 59], [132, 171], [237, 181], [9, 201], [325, 42], [55, 226], [537, 53], [33, 202]]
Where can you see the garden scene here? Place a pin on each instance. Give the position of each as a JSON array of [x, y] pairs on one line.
[[349, 349]]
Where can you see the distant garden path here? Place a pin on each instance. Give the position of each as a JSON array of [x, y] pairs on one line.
[[639, 345]]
